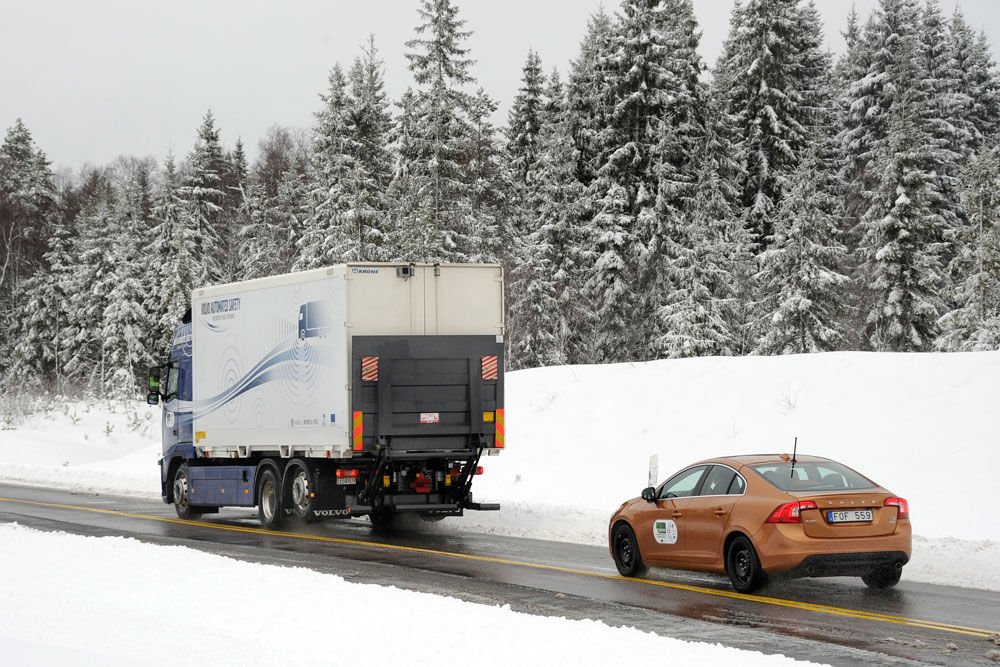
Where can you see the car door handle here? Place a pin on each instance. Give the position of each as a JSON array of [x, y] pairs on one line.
[[720, 512], [676, 515]]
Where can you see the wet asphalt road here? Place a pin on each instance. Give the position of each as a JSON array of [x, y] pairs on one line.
[[837, 621]]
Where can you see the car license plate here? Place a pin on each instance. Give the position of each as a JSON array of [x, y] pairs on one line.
[[846, 516]]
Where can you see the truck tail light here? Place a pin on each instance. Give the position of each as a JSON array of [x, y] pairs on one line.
[[421, 483], [479, 470], [359, 430], [902, 507], [499, 426], [347, 472], [791, 512]]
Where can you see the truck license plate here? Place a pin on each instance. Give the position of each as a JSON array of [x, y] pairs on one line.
[[847, 516]]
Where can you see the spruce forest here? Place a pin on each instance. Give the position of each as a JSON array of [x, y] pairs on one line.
[[643, 203]]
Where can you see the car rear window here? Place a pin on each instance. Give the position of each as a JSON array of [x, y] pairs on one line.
[[812, 476]]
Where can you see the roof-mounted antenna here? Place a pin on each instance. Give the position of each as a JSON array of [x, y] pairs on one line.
[[795, 449]]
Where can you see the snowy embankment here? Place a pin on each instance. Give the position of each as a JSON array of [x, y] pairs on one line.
[[580, 437], [80, 611]]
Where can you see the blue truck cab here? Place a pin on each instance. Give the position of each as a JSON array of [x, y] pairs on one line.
[[172, 383]]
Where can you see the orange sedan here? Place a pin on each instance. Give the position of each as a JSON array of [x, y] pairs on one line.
[[755, 516]]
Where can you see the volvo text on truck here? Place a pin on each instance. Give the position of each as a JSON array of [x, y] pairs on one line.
[[353, 390]]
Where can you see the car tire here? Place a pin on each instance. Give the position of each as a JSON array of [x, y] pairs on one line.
[[182, 498], [743, 566], [269, 505], [625, 549], [883, 578]]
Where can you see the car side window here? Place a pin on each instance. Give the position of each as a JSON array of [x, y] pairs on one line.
[[717, 482], [737, 486], [683, 484]]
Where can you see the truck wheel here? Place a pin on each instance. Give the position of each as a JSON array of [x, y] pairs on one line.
[[743, 566], [182, 498], [269, 500], [383, 520], [301, 494], [625, 548]]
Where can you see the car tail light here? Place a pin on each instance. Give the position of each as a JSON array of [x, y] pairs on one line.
[[347, 472], [790, 512], [901, 505], [479, 470]]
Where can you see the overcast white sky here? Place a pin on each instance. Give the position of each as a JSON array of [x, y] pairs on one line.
[[95, 79]]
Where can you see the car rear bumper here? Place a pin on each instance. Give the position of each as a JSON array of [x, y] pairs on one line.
[[847, 565], [786, 549]]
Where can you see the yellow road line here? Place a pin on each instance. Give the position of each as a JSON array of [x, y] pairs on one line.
[[762, 599]]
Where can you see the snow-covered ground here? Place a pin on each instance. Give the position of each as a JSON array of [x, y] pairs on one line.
[[580, 437], [58, 610]]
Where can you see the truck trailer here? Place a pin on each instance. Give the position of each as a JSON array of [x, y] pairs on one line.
[[359, 389]]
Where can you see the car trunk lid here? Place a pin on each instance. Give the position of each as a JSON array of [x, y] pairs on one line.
[[819, 522]]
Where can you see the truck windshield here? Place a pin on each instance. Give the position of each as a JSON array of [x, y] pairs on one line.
[[812, 476]]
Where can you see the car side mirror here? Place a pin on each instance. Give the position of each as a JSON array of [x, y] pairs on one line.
[[153, 398], [649, 494]]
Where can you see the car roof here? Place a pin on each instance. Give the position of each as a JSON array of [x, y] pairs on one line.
[[757, 459]]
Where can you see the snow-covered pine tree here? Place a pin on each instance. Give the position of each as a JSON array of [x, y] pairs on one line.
[[560, 240], [708, 265], [801, 267], [625, 190], [524, 125], [974, 323], [126, 326], [329, 235], [978, 86], [27, 203], [682, 133], [903, 227], [773, 75], [34, 332], [90, 283], [901, 246], [589, 95], [485, 208], [434, 225], [174, 246], [521, 153], [369, 126], [202, 189]]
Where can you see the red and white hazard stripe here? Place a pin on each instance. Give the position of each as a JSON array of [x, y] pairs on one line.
[[369, 369], [490, 368]]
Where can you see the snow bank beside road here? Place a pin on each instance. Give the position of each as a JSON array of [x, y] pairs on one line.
[[122, 610]]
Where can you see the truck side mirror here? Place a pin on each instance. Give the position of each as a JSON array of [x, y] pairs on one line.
[[649, 494], [154, 380], [153, 398]]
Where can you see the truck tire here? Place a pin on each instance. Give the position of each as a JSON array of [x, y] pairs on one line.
[[269, 506], [182, 498], [299, 491], [383, 520]]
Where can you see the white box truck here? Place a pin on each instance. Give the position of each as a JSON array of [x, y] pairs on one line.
[[357, 389]]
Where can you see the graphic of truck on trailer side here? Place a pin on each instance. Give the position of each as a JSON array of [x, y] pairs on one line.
[[353, 390]]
